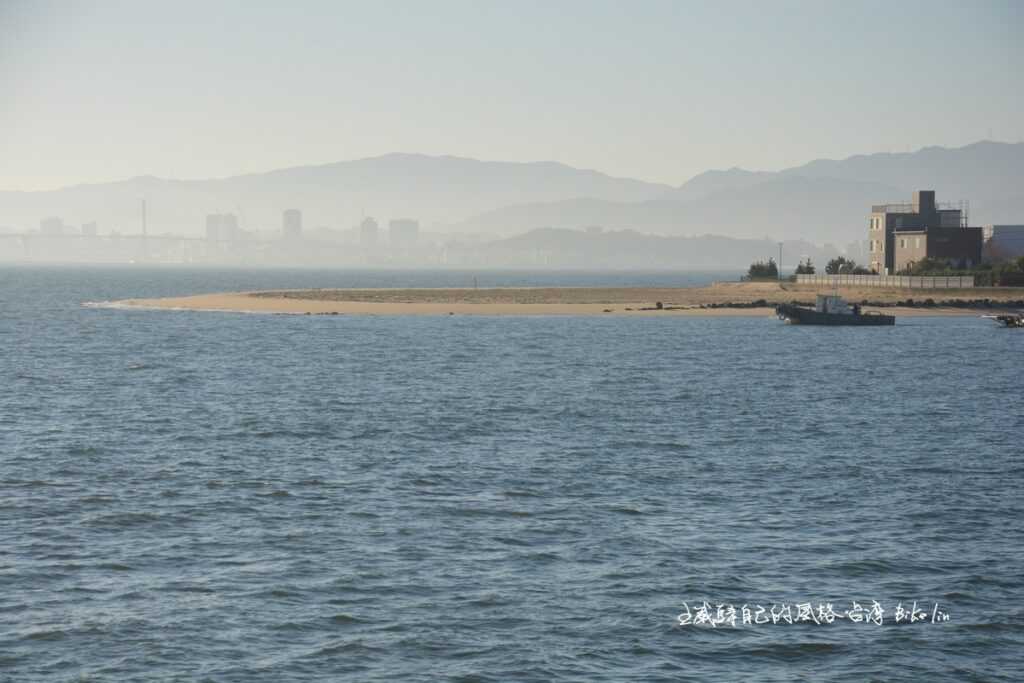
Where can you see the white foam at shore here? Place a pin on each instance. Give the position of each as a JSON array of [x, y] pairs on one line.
[[131, 305], [107, 304]]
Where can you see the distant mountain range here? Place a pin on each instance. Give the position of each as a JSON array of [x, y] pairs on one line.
[[435, 190], [821, 201]]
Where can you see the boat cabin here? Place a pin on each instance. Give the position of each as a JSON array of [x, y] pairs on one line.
[[833, 303]]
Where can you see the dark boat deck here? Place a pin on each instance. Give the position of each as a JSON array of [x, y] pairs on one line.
[[798, 315]]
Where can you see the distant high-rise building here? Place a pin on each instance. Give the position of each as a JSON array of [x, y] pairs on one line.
[[291, 224], [368, 232], [404, 232], [51, 226], [89, 229], [222, 227]]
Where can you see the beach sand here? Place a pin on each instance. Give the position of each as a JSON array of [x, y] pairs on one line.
[[745, 299]]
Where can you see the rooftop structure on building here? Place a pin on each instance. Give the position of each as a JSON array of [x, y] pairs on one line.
[[900, 235]]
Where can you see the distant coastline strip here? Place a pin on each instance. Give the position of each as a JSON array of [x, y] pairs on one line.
[[720, 299]]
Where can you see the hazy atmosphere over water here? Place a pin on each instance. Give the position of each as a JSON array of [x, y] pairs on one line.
[[659, 91]]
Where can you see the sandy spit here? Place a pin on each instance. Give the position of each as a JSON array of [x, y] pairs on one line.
[[558, 301]]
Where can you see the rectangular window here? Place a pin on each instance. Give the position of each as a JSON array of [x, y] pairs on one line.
[[917, 242]]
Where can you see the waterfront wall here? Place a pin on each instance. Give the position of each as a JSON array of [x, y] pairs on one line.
[[898, 281]]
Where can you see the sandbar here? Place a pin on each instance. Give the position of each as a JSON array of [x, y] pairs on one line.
[[719, 299]]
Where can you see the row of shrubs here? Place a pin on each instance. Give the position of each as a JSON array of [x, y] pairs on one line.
[[768, 270], [1003, 274]]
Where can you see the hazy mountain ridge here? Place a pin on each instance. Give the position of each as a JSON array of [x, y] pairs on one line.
[[631, 249], [816, 209], [712, 181], [431, 189], [821, 201]]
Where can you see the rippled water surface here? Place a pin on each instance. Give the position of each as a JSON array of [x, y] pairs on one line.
[[225, 497]]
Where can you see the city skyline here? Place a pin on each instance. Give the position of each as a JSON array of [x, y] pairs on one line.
[[822, 201], [659, 92]]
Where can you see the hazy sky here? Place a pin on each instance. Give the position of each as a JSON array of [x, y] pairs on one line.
[[655, 90]]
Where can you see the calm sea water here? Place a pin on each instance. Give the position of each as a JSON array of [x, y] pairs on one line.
[[224, 497]]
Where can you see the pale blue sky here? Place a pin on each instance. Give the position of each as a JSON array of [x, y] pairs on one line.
[[655, 90]]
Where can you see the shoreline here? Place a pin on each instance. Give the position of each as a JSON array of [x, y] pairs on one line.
[[717, 300]]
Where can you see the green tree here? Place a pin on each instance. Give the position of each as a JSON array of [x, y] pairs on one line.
[[805, 267], [838, 264], [841, 264], [927, 266], [1009, 273], [759, 270]]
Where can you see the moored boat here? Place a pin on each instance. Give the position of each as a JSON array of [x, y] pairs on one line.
[[831, 309], [1007, 319]]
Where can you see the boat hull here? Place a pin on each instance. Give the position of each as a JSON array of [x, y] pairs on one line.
[[1012, 321], [798, 315]]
